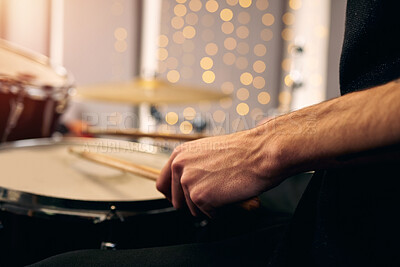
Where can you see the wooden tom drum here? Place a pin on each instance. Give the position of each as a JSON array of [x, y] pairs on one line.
[[33, 93]]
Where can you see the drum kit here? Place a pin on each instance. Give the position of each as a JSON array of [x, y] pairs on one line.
[[52, 201]]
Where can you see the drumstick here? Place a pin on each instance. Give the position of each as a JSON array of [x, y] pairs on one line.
[[137, 133], [144, 171]]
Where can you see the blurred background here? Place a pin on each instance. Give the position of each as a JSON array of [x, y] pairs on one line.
[[268, 56]]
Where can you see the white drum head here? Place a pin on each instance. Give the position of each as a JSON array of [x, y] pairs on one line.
[[50, 170]]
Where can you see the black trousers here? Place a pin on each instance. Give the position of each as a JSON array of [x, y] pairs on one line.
[[250, 249]]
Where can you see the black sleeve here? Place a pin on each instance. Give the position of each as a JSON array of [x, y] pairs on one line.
[[371, 50]]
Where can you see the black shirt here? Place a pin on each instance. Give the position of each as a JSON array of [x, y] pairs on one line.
[[348, 216], [371, 50]]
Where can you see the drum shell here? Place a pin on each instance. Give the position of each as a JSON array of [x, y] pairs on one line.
[[31, 123], [33, 93]]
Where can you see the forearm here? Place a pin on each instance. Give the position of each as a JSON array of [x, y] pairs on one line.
[[209, 173], [335, 132]]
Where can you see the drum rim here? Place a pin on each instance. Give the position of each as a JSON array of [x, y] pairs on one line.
[[31, 204], [40, 59]]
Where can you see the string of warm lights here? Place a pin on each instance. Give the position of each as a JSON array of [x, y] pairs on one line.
[[204, 41]]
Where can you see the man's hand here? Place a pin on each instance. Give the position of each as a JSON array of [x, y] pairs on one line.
[[209, 173]]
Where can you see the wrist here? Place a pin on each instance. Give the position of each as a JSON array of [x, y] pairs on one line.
[[287, 145]]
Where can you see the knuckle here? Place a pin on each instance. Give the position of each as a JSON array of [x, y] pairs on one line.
[[185, 181], [198, 197], [178, 149], [177, 165]]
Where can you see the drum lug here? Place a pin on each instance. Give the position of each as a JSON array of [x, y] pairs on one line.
[[108, 246], [114, 213], [202, 223]]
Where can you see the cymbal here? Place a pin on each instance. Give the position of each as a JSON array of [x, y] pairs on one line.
[[153, 91]]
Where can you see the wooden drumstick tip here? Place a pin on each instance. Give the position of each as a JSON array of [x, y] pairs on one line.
[[74, 151]]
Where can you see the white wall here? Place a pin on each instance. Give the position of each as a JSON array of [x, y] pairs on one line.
[[311, 30], [92, 52], [89, 39], [26, 23]]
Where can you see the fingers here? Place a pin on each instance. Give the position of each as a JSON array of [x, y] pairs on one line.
[[163, 183], [178, 197], [169, 184], [194, 210], [177, 192], [197, 201]]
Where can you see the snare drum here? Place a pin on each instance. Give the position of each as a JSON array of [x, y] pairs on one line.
[[33, 93], [52, 201]]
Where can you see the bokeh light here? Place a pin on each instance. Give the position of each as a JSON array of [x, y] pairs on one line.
[[262, 4], [259, 66], [189, 32], [208, 76], [230, 43], [242, 109], [268, 19], [211, 49], [219, 116], [206, 63], [173, 76], [189, 113], [263, 98], [242, 32], [180, 10], [260, 50], [195, 5], [186, 127], [212, 6], [171, 118], [259, 82], [242, 94], [163, 40], [226, 14], [246, 78], [245, 3], [227, 27]]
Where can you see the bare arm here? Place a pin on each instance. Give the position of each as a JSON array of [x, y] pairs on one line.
[[211, 172], [339, 131]]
